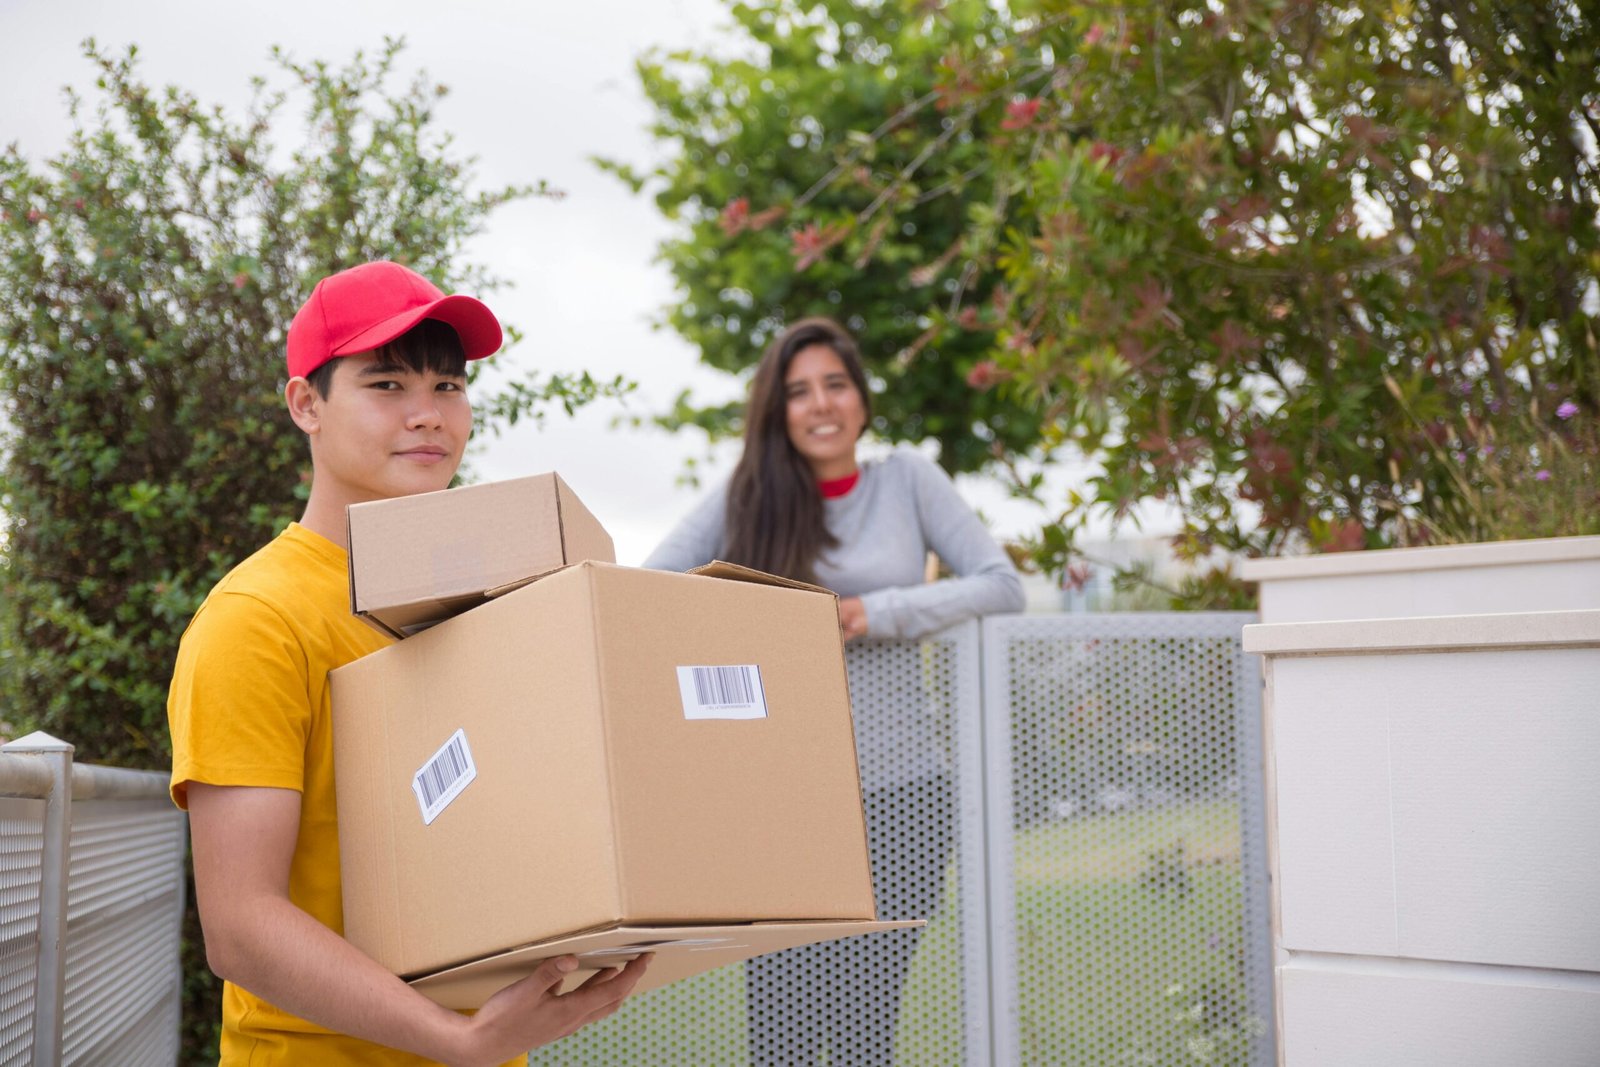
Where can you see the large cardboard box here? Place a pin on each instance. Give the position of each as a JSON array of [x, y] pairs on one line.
[[606, 753], [416, 560]]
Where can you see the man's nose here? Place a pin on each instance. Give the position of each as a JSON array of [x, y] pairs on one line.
[[424, 413]]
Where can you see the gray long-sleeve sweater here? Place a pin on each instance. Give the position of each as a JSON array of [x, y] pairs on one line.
[[902, 507]]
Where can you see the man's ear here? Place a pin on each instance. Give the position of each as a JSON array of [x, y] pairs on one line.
[[304, 403]]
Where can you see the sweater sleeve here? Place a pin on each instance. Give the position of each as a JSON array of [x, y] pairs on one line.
[[697, 539], [986, 581]]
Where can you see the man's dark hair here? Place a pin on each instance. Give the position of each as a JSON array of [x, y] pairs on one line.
[[429, 346]]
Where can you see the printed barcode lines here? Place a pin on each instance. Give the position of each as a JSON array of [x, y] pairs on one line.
[[442, 778], [727, 692], [724, 687], [443, 771]]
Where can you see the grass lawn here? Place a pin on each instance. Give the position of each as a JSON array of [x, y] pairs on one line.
[[1129, 952]]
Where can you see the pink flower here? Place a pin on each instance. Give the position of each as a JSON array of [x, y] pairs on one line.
[[1541, 476], [1019, 114], [1075, 577], [1108, 152], [983, 375], [1566, 410], [735, 217]]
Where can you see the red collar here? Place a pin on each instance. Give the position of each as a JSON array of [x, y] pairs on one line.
[[839, 486]]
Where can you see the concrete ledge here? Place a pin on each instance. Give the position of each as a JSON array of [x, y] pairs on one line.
[[1532, 629], [1443, 557]]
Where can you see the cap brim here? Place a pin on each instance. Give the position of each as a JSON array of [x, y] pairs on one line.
[[472, 320]]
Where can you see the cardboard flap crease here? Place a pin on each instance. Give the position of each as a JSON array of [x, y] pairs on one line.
[[735, 572]]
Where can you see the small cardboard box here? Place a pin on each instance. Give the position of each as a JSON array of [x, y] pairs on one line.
[[608, 753], [417, 560]]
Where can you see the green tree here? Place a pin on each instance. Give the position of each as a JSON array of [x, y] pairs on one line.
[[1318, 274], [147, 278], [822, 171]]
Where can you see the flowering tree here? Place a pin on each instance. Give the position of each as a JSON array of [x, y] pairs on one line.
[[1318, 274], [817, 174]]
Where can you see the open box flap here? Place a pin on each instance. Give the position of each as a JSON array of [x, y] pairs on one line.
[[734, 572]]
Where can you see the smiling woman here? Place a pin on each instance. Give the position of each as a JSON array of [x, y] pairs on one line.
[[826, 411], [799, 504]]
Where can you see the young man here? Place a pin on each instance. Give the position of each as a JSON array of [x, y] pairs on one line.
[[377, 381]]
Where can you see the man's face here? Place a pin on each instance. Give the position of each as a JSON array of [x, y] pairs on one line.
[[385, 430]]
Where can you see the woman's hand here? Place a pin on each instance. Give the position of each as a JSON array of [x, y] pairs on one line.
[[852, 617]]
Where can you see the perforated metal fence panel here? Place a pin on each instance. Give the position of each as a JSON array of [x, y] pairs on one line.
[[909, 997], [125, 896], [1074, 802], [912, 998], [1127, 833], [21, 842]]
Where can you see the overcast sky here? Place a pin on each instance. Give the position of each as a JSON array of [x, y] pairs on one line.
[[537, 89]]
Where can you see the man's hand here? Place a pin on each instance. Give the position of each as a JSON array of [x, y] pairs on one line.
[[852, 617], [533, 1012]]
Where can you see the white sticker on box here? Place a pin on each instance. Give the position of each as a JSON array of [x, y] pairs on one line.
[[722, 692], [447, 772]]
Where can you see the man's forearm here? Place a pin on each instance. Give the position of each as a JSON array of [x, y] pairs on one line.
[[284, 956], [261, 940]]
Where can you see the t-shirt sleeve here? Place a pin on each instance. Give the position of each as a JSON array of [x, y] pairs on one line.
[[697, 539], [239, 708], [986, 581]]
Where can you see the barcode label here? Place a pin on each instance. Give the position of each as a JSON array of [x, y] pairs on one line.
[[444, 776], [722, 692]]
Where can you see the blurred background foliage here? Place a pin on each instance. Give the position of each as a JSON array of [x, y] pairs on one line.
[[1319, 276]]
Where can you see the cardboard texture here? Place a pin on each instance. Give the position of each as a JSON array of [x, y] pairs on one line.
[[606, 793], [417, 560], [680, 952]]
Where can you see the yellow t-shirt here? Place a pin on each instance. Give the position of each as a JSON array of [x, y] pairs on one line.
[[249, 706]]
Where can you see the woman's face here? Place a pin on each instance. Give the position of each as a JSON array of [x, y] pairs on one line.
[[826, 412]]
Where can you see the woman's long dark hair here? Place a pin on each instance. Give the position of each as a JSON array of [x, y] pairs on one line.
[[775, 518]]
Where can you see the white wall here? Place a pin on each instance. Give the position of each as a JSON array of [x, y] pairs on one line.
[[1435, 849]]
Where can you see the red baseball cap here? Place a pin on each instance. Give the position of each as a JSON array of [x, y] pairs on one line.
[[368, 306]]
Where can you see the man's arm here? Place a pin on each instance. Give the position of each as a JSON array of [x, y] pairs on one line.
[[244, 840]]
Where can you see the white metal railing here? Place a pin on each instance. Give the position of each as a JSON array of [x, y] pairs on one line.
[[1106, 901], [91, 910]]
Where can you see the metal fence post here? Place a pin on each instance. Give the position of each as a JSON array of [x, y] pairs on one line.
[[50, 994], [999, 844], [972, 832]]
